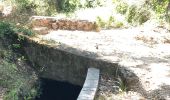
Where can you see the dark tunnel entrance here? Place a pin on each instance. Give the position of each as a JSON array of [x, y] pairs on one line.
[[55, 90]]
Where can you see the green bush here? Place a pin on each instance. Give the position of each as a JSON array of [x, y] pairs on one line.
[[132, 10], [72, 5], [101, 23], [109, 24], [5, 29], [10, 29], [16, 81], [122, 8], [93, 3], [25, 6], [137, 16], [160, 6], [119, 24], [68, 5], [142, 16]]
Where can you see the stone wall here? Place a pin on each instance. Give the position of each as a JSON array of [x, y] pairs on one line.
[[52, 23]]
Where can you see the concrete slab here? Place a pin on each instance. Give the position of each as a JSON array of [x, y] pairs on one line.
[[90, 86], [144, 64]]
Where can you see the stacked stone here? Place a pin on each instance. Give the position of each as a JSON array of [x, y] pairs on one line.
[[65, 24], [41, 23], [82, 25]]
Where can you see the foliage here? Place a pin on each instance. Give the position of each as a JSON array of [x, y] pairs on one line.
[[14, 76], [100, 22], [25, 5], [137, 15], [142, 16], [131, 13], [10, 29], [105, 24], [122, 7], [118, 24], [72, 5], [159, 6], [110, 23], [5, 29], [16, 81], [68, 5], [93, 3]]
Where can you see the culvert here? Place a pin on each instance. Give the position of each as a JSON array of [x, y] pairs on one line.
[[56, 90], [66, 55]]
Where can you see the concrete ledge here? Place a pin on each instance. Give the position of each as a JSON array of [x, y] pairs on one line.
[[90, 86]]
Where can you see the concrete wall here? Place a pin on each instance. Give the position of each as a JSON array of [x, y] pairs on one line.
[[57, 64]]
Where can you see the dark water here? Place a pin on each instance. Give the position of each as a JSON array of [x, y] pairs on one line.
[[54, 90]]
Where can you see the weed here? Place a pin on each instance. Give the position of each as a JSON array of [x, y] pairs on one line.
[[8, 29], [119, 24], [100, 22], [17, 81], [110, 23], [16, 46]]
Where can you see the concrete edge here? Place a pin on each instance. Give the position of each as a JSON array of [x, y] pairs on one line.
[[90, 86]]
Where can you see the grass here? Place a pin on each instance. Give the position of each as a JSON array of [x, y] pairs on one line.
[[18, 83], [9, 29], [15, 74]]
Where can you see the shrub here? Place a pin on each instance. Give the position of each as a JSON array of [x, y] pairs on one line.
[[160, 6], [16, 81], [68, 5], [110, 23], [25, 6], [137, 15], [122, 8], [72, 5], [10, 29], [119, 24], [5, 29], [132, 10], [142, 16], [101, 22], [93, 3]]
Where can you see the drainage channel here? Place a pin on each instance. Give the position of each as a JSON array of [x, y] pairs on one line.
[[55, 90]]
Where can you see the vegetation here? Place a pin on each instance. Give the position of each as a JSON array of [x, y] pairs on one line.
[[10, 29], [122, 7], [109, 24], [137, 16], [16, 76]]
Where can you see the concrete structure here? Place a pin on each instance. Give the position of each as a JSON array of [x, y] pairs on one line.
[[141, 59], [90, 86]]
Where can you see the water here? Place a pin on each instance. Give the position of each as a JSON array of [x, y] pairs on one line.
[[55, 90]]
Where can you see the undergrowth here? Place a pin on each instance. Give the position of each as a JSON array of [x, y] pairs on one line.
[[139, 14], [15, 73], [7, 28]]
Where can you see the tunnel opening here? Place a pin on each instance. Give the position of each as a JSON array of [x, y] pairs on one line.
[[56, 90]]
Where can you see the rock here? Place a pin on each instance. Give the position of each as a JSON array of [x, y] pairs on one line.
[[54, 26], [64, 24], [41, 30]]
